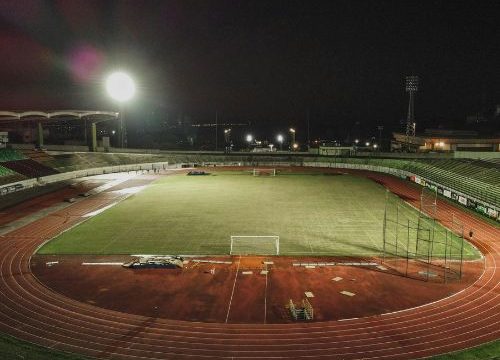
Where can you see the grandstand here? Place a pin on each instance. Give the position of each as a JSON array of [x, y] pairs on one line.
[[10, 155], [477, 178], [8, 176]]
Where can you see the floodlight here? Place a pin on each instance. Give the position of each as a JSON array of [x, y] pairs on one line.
[[249, 138], [356, 141], [120, 86], [295, 146], [375, 146], [292, 130], [280, 138], [411, 83], [367, 143]]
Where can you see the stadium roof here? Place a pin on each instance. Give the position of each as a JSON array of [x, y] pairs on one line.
[[73, 114]]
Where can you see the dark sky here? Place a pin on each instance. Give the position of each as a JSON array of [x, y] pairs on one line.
[[269, 62]]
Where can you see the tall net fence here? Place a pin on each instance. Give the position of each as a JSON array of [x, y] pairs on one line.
[[416, 245]]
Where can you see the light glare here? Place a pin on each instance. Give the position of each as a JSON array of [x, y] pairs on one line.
[[120, 86]]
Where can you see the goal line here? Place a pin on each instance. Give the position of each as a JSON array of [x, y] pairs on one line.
[[255, 245]]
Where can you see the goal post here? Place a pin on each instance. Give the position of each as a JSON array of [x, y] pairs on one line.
[[259, 172], [254, 245]]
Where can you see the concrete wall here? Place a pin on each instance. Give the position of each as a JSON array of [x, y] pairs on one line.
[[477, 155]]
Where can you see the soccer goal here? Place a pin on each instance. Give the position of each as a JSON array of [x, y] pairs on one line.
[[255, 245], [260, 172]]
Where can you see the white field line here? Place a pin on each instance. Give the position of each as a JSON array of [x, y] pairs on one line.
[[98, 211], [232, 292], [131, 190], [310, 246], [103, 263]]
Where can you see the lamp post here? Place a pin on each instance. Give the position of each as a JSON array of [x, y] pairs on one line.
[[380, 128], [249, 139], [121, 88], [227, 139], [280, 139], [292, 133]]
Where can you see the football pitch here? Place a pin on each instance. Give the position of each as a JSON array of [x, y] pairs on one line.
[[313, 214]]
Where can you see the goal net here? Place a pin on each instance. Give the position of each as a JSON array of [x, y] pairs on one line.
[[255, 245], [260, 172]]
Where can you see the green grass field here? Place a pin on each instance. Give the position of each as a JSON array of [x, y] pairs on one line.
[[313, 214]]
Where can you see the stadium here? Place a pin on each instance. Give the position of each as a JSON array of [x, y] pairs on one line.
[[237, 180], [352, 256]]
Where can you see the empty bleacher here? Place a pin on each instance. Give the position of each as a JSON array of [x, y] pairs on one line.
[[29, 168], [7, 176], [10, 155], [477, 178], [79, 161]]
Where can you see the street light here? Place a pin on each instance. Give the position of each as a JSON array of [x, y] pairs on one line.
[[367, 143], [292, 132], [121, 88], [280, 139], [249, 139], [227, 135]]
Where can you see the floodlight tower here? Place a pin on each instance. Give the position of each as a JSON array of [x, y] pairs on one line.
[[121, 88], [411, 88]]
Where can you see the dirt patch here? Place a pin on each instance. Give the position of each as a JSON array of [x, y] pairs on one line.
[[239, 292]]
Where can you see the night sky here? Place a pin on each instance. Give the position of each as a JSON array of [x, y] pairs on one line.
[[272, 63]]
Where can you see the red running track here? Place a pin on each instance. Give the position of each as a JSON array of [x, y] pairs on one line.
[[32, 312]]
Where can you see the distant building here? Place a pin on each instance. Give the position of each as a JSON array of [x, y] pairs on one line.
[[446, 140], [475, 119], [336, 150]]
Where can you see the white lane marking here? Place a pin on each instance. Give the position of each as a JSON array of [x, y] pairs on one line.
[[131, 190], [103, 263], [232, 292], [98, 211]]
